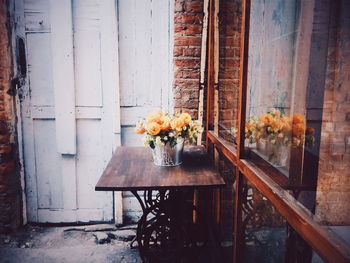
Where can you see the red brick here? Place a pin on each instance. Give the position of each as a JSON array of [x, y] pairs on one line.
[[3, 128], [3, 116], [186, 84], [187, 74], [5, 148], [190, 63], [187, 18], [7, 168], [188, 29], [192, 52], [187, 41], [178, 51], [4, 138], [194, 6]]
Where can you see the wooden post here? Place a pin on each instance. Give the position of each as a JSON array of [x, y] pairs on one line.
[[238, 234], [201, 89], [217, 192]]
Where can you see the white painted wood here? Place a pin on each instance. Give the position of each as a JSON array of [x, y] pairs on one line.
[[48, 112], [146, 37], [16, 10], [93, 103], [202, 66], [60, 187], [39, 58], [87, 52], [69, 183], [89, 166], [63, 74], [37, 17], [48, 176], [127, 53], [110, 87]]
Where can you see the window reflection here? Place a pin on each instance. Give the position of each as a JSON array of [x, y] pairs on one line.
[[298, 102]]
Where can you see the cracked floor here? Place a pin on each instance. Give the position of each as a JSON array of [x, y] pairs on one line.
[[95, 243]]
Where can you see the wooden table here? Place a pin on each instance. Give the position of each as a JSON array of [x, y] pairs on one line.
[[163, 230]]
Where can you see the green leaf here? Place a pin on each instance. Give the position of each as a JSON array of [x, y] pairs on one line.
[[173, 143]]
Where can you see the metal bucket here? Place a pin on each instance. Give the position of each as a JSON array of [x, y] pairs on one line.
[[168, 156]]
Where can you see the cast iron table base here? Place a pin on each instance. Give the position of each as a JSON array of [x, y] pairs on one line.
[[165, 231]]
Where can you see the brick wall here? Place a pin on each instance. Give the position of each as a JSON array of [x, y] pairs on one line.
[[10, 190], [333, 189], [229, 59], [188, 20]]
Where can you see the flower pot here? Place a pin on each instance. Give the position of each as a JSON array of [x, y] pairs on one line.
[[281, 155], [168, 156], [261, 146]]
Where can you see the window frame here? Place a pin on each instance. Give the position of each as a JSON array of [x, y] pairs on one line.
[[325, 242]]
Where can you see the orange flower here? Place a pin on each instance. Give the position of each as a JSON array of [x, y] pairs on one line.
[[165, 120], [177, 124], [153, 128], [276, 125], [140, 129], [186, 118], [155, 117], [298, 118], [248, 126], [310, 130], [298, 129], [266, 119], [286, 125]]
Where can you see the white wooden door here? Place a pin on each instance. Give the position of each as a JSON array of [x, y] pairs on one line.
[[69, 107]]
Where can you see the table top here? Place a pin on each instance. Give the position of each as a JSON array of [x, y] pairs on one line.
[[132, 168]]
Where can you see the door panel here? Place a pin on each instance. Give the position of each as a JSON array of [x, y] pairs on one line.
[[60, 186]]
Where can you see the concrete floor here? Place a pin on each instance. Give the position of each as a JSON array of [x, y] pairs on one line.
[[98, 243]]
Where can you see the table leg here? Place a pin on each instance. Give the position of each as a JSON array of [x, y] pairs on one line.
[[165, 230]]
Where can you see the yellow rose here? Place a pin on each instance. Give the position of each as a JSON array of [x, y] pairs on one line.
[[186, 118], [276, 125], [155, 116], [165, 120], [153, 128], [140, 129], [177, 124], [286, 123], [266, 119]]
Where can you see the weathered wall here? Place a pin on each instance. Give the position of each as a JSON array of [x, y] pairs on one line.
[[10, 190], [333, 189]]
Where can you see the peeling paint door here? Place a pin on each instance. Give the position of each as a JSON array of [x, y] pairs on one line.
[[69, 106]]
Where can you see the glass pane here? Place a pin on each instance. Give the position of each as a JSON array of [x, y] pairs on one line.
[[274, 123], [229, 59], [267, 235], [227, 171], [298, 103]]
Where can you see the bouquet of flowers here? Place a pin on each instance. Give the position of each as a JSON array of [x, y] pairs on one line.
[[162, 129], [279, 129]]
